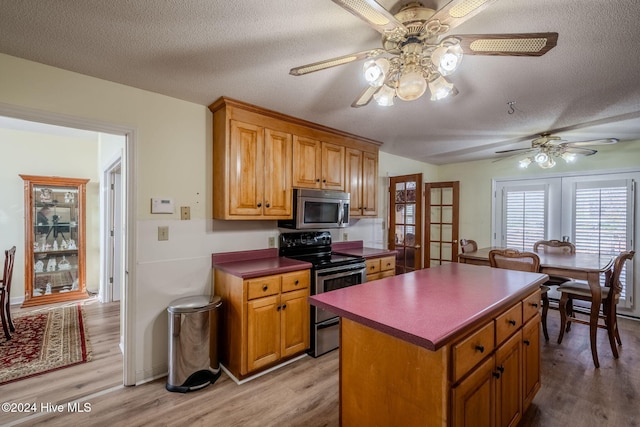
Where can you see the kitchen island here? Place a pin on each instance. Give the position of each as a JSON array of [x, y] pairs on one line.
[[450, 345]]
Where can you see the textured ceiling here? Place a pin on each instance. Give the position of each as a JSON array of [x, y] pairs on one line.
[[587, 87]]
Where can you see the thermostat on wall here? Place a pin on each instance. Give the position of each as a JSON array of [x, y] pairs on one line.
[[161, 206]]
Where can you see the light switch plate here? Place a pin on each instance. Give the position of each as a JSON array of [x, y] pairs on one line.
[[163, 233]]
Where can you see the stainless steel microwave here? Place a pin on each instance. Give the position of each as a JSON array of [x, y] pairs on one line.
[[318, 209]]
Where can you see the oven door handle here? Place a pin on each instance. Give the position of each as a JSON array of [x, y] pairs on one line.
[[328, 323], [341, 273]]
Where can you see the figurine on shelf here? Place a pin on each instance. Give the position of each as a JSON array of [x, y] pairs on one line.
[[55, 245], [39, 267], [51, 264], [68, 197], [72, 244], [48, 291], [37, 292], [64, 264], [74, 285], [64, 245]]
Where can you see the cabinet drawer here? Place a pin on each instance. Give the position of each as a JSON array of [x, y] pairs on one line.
[[508, 323], [470, 351], [263, 286], [373, 265], [531, 305], [388, 273], [296, 280], [388, 263]]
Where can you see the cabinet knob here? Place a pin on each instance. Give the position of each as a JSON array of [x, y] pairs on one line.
[[278, 308], [533, 304], [496, 374], [526, 342], [259, 204], [317, 179], [297, 282], [265, 287], [284, 306], [268, 205], [480, 348], [512, 322], [500, 369], [324, 180]]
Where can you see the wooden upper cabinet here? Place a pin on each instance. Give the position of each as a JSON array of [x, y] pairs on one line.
[[318, 164], [259, 156], [361, 181]]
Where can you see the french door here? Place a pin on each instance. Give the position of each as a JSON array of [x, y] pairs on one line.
[[441, 222], [405, 221]]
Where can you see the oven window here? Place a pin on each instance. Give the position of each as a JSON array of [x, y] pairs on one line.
[[341, 282], [320, 212]]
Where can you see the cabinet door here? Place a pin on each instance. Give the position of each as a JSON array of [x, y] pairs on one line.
[[307, 162], [369, 184], [473, 398], [277, 173], [246, 169], [263, 332], [530, 360], [353, 180], [509, 383], [295, 322], [332, 166]]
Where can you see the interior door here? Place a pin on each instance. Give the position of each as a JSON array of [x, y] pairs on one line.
[[441, 222], [405, 221]]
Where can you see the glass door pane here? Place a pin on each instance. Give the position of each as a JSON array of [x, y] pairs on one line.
[[405, 233], [441, 219]]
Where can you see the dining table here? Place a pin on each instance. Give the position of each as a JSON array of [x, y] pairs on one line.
[[579, 266]]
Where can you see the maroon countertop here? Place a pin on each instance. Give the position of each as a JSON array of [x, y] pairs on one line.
[[356, 248], [434, 306], [250, 264]]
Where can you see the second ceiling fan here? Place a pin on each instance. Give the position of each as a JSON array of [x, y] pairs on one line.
[[416, 54]]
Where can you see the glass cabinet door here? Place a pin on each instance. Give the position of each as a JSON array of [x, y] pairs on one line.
[[54, 228]]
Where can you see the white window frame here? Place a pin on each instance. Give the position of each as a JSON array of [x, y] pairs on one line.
[[560, 204]]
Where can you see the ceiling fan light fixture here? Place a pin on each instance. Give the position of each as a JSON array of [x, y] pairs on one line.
[[375, 71], [411, 84], [447, 58], [569, 157], [384, 96], [441, 88], [541, 158], [524, 163]]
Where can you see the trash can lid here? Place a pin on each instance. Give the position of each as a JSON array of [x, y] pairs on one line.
[[194, 304]]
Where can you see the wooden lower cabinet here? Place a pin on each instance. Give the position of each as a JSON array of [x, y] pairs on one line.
[[469, 382], [377, 268], [266, 320]]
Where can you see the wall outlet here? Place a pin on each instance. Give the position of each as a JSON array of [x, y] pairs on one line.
[[185, 212], [272, 242], [163, 233], [345, 237]]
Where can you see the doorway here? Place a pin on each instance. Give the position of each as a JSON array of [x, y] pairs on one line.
[[38, 119], [441, 222]]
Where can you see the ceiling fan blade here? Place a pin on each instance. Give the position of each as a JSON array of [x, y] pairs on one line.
[[333, 62], [458, 11], [511, 156], [365, 97], [579, 150], [375, 15], [605, 141], [521, 150], [516, 44]]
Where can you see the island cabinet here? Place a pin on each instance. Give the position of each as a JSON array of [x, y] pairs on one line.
[[317, 164], [260, 155], [378, 268], [266, 320], [361, 175], [419, 361]]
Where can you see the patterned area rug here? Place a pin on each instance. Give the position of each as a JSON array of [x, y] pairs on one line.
[[44, 341]]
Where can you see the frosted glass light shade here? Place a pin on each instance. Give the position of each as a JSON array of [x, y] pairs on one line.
[[447, 58], [440, 88], [375, 71], [384, 96], [411, 85]]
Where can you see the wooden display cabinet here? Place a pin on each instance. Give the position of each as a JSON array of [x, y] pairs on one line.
[[54, 239]]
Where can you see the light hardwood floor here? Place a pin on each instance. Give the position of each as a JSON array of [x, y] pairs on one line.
[[305, 393]]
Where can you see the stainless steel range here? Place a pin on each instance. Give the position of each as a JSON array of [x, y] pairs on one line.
[[330, 271]]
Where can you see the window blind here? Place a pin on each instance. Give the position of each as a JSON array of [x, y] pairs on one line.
[[525, 218]]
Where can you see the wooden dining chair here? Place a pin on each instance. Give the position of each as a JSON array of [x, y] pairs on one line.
[[513, 259], [555, 247], [468, 245], [5, 289], [608, 318]]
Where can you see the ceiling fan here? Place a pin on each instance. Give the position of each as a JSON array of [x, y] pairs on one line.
[[416, 54], [547, 147]]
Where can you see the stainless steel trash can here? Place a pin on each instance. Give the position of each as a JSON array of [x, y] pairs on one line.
[[193, 346]]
